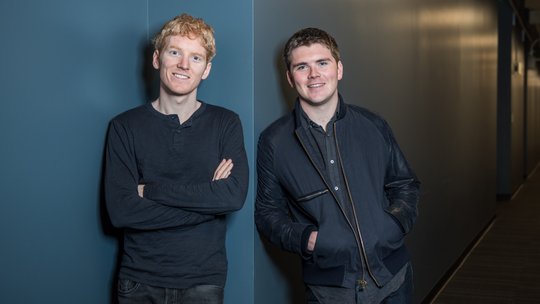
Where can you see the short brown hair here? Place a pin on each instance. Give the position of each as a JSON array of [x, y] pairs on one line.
[[307, 37], [189, 26]]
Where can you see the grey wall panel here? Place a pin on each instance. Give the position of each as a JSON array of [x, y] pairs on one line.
[[512, 95], [431, 70], [517, 119], [504, 100], [533, 120]]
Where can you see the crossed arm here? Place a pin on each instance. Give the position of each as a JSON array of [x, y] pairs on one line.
[[126, 208], [222, 172], [227, 190], [168, 205]]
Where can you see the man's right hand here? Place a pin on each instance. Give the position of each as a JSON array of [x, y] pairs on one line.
[[312, 240], [223, 170]]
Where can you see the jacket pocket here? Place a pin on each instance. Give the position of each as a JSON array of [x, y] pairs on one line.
[[311, 196], [334, 246], [392, 233]]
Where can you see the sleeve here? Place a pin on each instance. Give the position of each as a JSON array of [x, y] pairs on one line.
[[214, 197], [271, 209], [402, 187], [126, 208]]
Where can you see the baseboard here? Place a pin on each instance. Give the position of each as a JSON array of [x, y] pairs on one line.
[[533, 171], [509, 197], [439, 287]]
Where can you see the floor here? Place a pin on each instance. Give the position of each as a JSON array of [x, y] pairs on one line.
[[505, 265]]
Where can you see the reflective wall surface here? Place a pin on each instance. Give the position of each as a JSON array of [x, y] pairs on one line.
[[430, 68]]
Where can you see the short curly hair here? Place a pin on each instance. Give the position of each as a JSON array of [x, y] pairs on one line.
[[307, 37], [189, 26]]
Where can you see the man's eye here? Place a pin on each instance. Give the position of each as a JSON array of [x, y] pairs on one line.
[[323, 63], [197, 58], [174, 53], [300, 67]]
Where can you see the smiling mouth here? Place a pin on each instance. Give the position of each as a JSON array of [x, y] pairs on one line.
[[180, 76], [315, 85]]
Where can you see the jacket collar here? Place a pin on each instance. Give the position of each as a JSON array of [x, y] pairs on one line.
[[298, 112]]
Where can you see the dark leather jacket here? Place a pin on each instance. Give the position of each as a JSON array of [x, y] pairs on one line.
[[294, 197]]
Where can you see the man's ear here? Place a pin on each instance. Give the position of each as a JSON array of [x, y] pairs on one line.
[[340, 70], [207, 70], [289, 79], [155, 59]]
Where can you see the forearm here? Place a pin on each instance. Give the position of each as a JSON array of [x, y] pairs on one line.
[[402, 189], [143, 214], [213, 197], [271, 207], [276, 225], [129, 210]]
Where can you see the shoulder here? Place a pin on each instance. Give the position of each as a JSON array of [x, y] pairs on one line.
[[361, 113], [133, 121], [283, 126], [220, 121], [364, 112], [371, 123], [131, 114], [218, 111]]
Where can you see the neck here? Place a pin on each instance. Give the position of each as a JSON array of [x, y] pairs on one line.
[[182, 106], [320, 114]]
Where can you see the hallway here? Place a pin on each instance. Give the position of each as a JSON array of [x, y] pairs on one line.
[[504, 267]]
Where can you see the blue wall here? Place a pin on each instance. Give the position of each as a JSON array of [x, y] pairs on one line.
[[68, 67]]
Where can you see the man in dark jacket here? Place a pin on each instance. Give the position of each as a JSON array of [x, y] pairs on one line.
[[334, 186], [170, 180]]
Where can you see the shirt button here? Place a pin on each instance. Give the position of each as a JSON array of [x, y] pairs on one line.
[[336, 188], [331, 161]]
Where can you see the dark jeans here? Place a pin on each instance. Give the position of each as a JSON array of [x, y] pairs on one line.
[[130, 292], [341, 295], [405, 292]]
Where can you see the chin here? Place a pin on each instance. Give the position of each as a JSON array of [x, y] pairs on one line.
[[316, 102]]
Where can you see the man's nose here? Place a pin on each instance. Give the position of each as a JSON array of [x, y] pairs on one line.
[[313, 73], [183, 63]]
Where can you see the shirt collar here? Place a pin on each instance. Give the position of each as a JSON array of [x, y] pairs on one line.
[[306, 122]]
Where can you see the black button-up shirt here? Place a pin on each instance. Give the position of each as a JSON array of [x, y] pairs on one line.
[[327, 146]]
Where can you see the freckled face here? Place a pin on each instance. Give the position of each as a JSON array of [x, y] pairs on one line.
[[182, 65], [314, 73]]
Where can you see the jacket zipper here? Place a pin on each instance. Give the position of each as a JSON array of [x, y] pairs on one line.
[[362, 248], [358, 238], [311, 196]]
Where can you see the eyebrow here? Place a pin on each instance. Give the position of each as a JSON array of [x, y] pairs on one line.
[[172, 46], [305, 63]]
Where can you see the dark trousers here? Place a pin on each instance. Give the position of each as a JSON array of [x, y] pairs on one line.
[[341, 295], [130, 292]]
